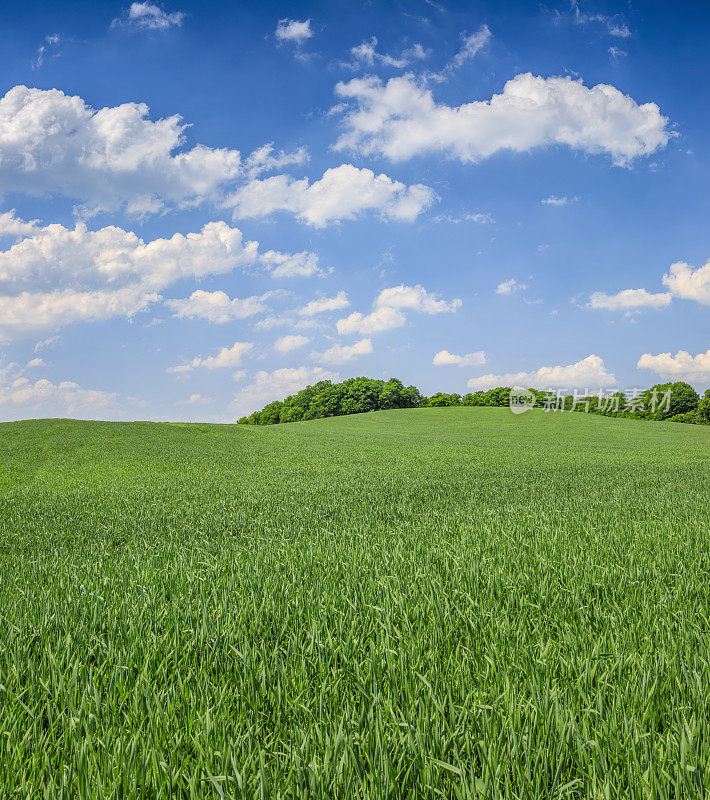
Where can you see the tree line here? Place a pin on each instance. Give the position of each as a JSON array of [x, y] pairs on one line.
[[677, 402]]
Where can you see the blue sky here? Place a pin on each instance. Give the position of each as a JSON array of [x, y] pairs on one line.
[[204, 207]]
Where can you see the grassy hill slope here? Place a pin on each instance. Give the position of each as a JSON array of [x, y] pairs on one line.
[[448, 601]]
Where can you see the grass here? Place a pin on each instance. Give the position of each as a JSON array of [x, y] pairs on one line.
[[454, 603]]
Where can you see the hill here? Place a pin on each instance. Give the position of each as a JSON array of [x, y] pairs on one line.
[[422, 602]]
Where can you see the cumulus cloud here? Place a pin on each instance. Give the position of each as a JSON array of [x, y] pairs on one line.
[[341, 193], [511, 286], [227, 357], [149, 17], [291, 265], [682, 281], [269, 386], [56, 275], [217, 306], [51, 143], [388, 306], [681, 366], [340, 354], [588, 372], [400, 119], [285, 344], [382, 319], [689, 283], [21, 397], [444, 359], [11, 225], [323, 304], [106, 159], [415, 298], [293, 31], [629, 299]]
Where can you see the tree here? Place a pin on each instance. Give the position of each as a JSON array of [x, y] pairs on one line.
[[666, 400], [442, 399], [704, 408]]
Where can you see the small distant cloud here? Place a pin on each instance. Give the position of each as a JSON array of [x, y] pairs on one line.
[[511, 286], [614, 24], [45, 343], [365, 54], [444, 358], [554, 200], [150, 17], [341, 354], [472, 45], [49, 48], [293, 31], [291, 342], [615, 53], [197, 400], [36, 362], [479, 218]]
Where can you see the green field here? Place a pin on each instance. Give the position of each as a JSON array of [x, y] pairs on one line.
[[451, 602]]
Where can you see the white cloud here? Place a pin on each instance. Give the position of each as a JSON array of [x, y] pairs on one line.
[[10, 225], [151, 17], [45, 343], [264, 159], [472, 45], [554, 200], [340, 354], [628, 299], [511, 286], [388, 315], [444, 358], [53, 143], [57, 275], [293, 31], [689, 283], [322, 304], [35, 362], [227, 357], [198, 399], [342, 193], [382, 319], [22, 397], [277, 385], [589, 372], [217, 306], [48, 47], [479, 218], [291, 265], [615, 24], [366, 54], [681, 366], [285, 344], [415, 298], [400, 119]]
